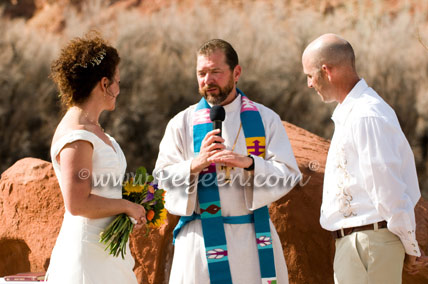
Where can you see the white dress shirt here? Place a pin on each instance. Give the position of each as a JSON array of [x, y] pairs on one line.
[[370, 174]]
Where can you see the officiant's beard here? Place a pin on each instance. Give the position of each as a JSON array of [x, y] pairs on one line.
[[217, 99]]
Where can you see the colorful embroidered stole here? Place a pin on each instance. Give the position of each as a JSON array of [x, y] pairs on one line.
[[209, 198]]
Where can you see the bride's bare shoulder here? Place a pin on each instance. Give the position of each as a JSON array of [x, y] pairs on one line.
[[66, 125], [71, 121]]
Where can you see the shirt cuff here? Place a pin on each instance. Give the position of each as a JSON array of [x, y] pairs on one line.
[[411, 247]]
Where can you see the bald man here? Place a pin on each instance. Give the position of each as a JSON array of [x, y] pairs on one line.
[[370, 183]]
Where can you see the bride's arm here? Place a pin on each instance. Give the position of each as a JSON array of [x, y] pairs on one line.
[[75, 160]]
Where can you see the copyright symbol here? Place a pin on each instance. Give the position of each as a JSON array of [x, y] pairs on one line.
[[84, 174], [314, 165]]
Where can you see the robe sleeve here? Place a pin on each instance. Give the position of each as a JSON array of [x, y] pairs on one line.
[[278, 173], [172, 170]]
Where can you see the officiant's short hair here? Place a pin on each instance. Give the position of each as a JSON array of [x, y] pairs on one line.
[[218, 44]]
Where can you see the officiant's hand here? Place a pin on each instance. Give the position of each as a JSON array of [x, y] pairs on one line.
[[231, 159], [210, 145]]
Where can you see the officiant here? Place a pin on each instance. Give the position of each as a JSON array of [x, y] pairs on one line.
[[222, 183]]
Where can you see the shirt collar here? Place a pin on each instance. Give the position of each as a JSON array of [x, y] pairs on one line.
[[343, 109], [235, 105]]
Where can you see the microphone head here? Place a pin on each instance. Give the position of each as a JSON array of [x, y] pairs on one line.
[[217, 113]]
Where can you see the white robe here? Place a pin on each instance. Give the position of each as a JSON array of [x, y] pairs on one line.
[[173, 173]]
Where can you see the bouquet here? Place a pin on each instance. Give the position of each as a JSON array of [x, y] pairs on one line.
[[141, 190]]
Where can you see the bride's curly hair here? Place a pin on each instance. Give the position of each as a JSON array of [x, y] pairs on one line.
[[81, 65]]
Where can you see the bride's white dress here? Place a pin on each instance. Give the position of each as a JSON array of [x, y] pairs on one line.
[[78, 257]]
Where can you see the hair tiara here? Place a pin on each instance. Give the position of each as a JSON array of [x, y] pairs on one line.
[[96, 60]]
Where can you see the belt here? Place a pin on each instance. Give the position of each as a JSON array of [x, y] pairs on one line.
[[347, 231], [243, 219]]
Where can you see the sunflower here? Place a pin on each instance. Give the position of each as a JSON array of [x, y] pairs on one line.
[[159, 221], [129, 187]]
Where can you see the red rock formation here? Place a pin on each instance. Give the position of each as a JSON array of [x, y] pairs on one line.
[[309, 250], [153, 254], [421, 212], [31, 212], [49, 14]]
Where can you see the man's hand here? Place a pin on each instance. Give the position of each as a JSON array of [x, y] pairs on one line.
[[231, 159], [211, 145], [414, 264]]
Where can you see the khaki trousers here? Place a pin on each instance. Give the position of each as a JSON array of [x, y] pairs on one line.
[[369, 257]]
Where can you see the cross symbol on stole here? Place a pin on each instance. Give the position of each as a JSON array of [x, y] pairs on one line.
[[256, 148], [227, 178]]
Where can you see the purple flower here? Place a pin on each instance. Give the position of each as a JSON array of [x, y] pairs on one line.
[[149, 197]]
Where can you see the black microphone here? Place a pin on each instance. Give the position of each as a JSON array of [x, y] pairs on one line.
[[217, 115]]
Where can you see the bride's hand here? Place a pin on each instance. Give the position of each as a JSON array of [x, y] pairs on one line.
[[137, 212]]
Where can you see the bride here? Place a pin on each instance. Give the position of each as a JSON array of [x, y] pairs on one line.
[[88, 78]]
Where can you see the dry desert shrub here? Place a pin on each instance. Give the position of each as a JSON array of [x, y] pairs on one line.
[[158, 68], [28, 106]]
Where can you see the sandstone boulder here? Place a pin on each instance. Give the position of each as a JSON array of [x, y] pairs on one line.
[[31, 211]]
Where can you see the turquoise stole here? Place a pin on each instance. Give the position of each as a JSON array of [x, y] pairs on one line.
[[209, 198]]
